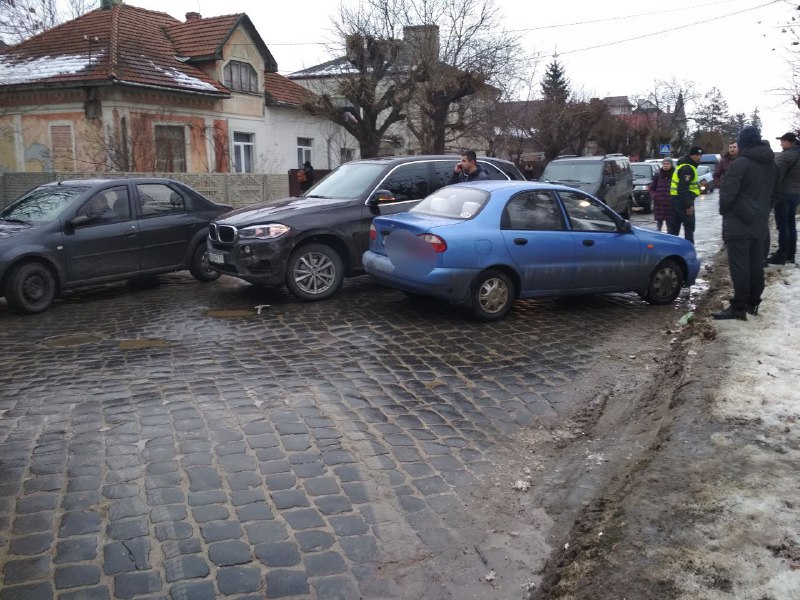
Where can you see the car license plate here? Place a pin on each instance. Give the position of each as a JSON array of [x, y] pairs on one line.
[[216, 258]]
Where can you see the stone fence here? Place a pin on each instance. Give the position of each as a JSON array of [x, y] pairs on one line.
[[237, 189]]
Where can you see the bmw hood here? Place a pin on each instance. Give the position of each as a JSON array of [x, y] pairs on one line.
[[282, 211]]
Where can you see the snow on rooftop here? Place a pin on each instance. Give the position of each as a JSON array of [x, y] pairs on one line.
[[44, 67], [182, 78]]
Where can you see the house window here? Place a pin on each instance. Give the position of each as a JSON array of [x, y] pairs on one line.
[[303, 150], [170, 149], [346, 155], [241, 77], [62, 147], [243, 152]]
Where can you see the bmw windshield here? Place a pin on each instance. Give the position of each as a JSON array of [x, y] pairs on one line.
[[351, 180], [41, 205]]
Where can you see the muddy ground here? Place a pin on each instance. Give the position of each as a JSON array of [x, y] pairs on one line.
[[703, 500]]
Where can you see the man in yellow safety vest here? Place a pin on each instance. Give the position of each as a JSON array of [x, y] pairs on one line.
[[682, 192]]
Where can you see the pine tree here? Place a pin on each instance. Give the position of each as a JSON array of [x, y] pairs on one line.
[[555, 85], [713, 114], [755, 119]]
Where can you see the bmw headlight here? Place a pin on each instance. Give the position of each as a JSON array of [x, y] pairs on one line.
[[268, 231], [640, 188]]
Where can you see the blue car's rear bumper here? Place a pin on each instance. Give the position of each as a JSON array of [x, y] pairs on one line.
[[449, 284]]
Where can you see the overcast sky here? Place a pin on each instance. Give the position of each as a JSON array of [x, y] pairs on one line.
[[744, 54]]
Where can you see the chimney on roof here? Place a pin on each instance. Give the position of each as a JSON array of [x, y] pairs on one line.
[[107, 4], [193, 16]]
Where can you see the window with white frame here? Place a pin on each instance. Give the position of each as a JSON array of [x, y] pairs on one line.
[[170, 148], [241, 77], [243, 146], [346, 155], [62, 147], [304, 146]]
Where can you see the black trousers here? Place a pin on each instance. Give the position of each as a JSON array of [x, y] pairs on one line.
[[746, 263], [679, 217]]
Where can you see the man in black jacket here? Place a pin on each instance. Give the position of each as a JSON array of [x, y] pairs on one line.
[[786, 209], [749, 191], [467, 169]]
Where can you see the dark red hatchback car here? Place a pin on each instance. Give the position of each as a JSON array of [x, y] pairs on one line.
[[82, 232]]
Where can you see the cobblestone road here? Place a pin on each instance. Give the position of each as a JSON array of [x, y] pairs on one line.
[[170, 442]]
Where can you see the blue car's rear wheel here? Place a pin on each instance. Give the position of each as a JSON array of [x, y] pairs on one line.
[[493, 295], [665, 283]]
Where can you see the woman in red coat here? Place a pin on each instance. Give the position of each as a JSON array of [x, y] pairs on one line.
[[659, 191]]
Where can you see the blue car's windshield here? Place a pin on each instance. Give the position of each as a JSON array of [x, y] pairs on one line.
[[351, 180], [453, 202], [42, 205]]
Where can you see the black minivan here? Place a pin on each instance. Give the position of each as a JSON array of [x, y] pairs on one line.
[[310, 243], [607, 177]]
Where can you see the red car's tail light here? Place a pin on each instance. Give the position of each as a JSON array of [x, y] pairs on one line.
[[438, 244], [373, 233]]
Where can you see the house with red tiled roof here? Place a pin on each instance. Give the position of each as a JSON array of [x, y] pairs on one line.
[[127, 89]]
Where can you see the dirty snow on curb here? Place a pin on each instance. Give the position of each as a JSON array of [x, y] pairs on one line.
[[755, 537]]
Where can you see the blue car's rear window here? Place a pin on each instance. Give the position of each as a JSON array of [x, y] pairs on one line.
[[453, 202]]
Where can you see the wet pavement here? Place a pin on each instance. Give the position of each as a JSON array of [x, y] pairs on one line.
[[168, 441]]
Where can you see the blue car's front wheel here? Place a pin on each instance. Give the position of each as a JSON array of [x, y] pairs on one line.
[[493, 295], [665, 283]]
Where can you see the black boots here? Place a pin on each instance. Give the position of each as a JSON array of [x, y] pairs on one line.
[[732, 313], [776, 259], [752, 309]]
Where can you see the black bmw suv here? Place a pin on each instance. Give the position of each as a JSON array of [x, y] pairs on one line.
[[310, 243]]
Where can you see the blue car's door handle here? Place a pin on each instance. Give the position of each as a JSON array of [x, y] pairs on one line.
[[588, 242], [520, 241]]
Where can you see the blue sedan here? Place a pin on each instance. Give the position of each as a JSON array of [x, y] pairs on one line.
[[486, 244]]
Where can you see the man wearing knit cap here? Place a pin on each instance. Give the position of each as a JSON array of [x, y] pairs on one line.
[[786, 209], [683, 190], [749, 191]]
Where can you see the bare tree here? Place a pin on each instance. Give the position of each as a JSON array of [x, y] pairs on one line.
[[22, 19], [414, 62]]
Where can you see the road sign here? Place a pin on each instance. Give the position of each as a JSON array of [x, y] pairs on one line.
[[664, 149]]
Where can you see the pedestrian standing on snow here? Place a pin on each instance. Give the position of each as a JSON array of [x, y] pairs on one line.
[[725, 164], [749, 191], [467, 169], [659, 191], [786, 209], [684, 188]]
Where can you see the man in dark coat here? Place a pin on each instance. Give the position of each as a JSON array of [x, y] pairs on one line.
[[749, 191], [684, 188], [731, 155], [786, 209], [308, 176], [467, 169]]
